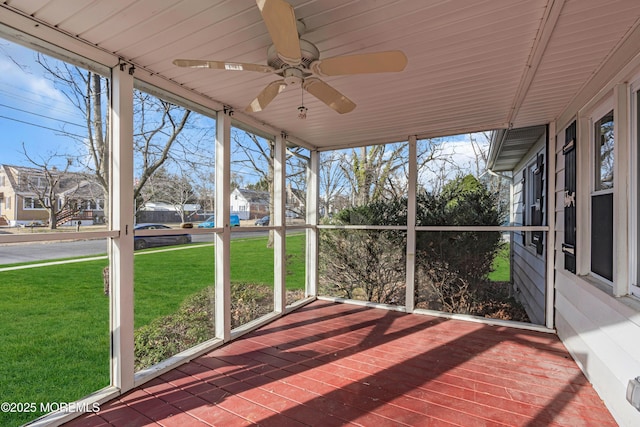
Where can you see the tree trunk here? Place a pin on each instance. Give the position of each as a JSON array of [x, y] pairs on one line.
[[52, 219]]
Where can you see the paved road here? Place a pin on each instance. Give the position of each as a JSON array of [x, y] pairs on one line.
[[31, 252]]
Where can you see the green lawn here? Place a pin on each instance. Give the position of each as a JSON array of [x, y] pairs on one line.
[[55, 335], [501, 266]]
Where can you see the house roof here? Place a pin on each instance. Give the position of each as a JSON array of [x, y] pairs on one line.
[[471, 65], [254, 196], [509, 146], [74, 183], [11, 172]]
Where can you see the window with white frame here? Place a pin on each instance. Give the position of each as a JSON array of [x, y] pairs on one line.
[[602, 156], [36, 181], [31, 203]]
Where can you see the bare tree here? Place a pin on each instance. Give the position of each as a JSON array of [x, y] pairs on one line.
[[173, 189], [368, 170], [47, 184], [332, 181], [203, 177], [380, 172], [255, 155], [158, 123], [297, 164], [89, 93]]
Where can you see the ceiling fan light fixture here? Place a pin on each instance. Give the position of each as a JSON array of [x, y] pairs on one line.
[[302, 112]]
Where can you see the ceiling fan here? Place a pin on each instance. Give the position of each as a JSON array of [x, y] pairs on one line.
[[297, 60]]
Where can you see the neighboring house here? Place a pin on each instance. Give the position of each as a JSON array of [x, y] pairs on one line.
[[78, 197], [249, 204], [254, 204]]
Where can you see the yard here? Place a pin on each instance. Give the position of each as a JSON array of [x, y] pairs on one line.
[[55, 339]]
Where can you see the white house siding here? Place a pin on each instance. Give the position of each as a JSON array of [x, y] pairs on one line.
[[601, 332], [249, 204], [528, 268]]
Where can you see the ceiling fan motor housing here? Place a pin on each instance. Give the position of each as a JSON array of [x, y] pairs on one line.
[[308, 50]]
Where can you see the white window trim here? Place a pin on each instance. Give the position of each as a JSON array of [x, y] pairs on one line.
[[634, 188], [598, 113], [31, 207], [603, 107]]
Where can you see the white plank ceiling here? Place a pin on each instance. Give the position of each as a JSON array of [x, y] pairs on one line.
[[472, 65]]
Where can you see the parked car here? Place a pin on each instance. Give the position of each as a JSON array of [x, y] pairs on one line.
[[262, 221], [234, 221], [142, 242]]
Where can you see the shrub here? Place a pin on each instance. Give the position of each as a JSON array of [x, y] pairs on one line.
[[168, 335], [249, 302], [451, 266], [193, 322], [463, 201], [442, 289], [363, 264]]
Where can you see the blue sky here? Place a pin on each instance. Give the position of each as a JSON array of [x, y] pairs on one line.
[[31, 109]]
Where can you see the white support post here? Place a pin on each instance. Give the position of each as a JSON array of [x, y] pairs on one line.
[[121, 219], [551, 222], [411, 225], [312, 219], [621, 194], [223, 239], [280, 234]]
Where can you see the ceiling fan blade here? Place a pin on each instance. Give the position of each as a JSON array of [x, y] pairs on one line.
[[379, 62], [280, 19], [328, 95], [222, 65], [266, 96]]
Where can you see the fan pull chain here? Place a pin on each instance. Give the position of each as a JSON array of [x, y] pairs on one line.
[[302, 110]]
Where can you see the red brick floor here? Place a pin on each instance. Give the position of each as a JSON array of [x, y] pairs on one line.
[[333, 364]]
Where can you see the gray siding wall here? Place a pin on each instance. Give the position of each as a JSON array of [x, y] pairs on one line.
[[528, 268]]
